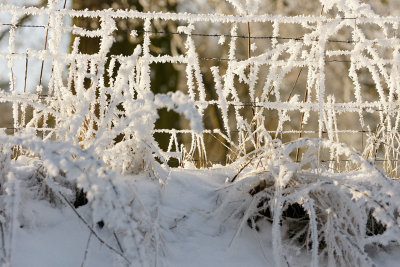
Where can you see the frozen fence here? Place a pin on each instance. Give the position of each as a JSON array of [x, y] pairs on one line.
[[281, 77]]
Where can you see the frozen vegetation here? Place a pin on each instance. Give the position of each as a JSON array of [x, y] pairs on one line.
[[275, 204]]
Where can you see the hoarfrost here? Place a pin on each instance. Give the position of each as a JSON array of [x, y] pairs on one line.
[[105, 114]]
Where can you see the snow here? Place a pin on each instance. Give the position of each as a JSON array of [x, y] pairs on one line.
[[193, 235], [55, 237], [155, 215]]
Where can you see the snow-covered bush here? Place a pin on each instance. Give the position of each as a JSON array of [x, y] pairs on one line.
[[112, 197], [337, 216]]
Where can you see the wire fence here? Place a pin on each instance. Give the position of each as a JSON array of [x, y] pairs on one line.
[[192, 34], [248, 86]]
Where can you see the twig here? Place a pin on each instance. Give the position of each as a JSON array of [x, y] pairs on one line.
[[45, 48], [301, 125], [118, 243], [3, 241], [86, 250], [374, 142], [288, 99], [248, 41], [254, 105], [241, 169], [294, 85], [213, 135], [12, 79], [262, 248], [91, 228], [26, 71], [286, 260]]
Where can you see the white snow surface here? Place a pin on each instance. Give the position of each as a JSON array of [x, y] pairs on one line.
[[193, 232]]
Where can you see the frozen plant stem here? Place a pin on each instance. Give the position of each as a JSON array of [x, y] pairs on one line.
[[301, 124], [26, 71], [254, 101], [241, 169], [294, 85], [86, 250], [118, 243], [3, 244], [248, 40], [45, 48], [91, 228], [290, 96]]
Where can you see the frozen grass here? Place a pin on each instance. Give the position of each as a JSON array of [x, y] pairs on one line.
[[336, 216], [201, 218], [276, 204]]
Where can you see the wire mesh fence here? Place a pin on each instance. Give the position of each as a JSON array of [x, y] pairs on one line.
[[248, 77]]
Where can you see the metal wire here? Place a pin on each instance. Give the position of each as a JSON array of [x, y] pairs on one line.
[[23, 25], [210, 58], [215, 35]]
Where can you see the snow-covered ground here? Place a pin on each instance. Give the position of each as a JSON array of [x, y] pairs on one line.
[[193, 233]]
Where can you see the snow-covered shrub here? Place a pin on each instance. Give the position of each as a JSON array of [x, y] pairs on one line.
[[337, 216], [111, 196]]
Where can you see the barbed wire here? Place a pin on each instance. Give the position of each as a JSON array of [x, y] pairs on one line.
[[210, 132], [23, 25], [342, 160], [227, 59], [212, 58], [215, 35], [391, 107]]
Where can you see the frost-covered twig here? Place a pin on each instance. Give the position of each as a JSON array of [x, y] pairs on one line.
[[92, 230], [86, 249]]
